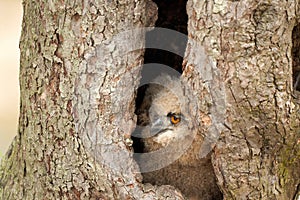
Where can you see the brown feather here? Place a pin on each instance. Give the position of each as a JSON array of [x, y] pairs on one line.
[[191, 175]]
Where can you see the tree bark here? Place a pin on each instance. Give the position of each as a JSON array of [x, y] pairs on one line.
[[78, 84], [77, 114], [249, 43]]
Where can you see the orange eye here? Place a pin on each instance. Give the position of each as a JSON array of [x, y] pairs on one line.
[[174, 119]]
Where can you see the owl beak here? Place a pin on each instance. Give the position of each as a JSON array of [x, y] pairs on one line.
[[157, 127]]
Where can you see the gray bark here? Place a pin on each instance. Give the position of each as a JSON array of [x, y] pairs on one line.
[[78, 90], [249, 42], [66, 140]]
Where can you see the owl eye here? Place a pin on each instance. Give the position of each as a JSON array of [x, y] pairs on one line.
[[174, 119]]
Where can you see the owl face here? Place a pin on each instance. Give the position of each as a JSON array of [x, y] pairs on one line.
[[167, 122]]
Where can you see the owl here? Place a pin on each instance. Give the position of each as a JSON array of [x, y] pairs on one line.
[[166, 131]]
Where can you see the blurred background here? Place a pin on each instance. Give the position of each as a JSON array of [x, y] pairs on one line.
[[10, 31]]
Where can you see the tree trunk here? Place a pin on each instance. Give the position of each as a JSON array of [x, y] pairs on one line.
[[78, 81], [250, 93], [75, 115]]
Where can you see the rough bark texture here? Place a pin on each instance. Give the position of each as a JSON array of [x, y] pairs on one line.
[[77, 112], [249, 42], [78, 87]]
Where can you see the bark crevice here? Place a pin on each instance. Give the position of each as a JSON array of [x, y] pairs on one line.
[[296, 57]]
